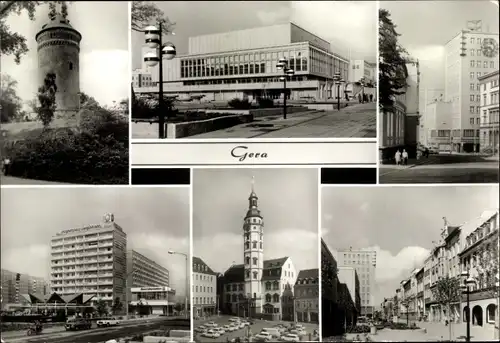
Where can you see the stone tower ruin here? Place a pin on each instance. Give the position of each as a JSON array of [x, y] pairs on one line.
[[59, 53]]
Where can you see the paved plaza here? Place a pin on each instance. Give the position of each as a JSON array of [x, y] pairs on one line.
[[10, 180], [255, 328], [443, 168]]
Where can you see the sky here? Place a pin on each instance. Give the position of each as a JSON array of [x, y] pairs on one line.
[[343, 23], [104, 56], [399, 223], [154, 219], [426, 26], [288, 200]]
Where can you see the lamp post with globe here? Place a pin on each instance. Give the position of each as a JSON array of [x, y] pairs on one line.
[[168, 51], [468, 281], [283, 65]]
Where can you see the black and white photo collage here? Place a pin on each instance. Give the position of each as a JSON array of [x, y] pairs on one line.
[[342, 156]]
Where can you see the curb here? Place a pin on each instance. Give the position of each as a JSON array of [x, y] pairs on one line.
[[293, 125]]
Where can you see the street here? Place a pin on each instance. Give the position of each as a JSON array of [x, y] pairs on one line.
[[255, 328], [104, 334], [358, 120], [443, 168]]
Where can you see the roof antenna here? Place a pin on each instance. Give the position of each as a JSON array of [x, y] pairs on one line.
[[253, 184]]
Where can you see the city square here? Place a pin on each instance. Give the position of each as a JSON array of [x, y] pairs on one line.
[[67, 262], [260, 277], [398, 286], [439, 94], [291, 76]]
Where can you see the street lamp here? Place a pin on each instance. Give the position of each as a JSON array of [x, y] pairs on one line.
[[168, 51], [171, 252], [468, 281], [338, 80], [283, 65]]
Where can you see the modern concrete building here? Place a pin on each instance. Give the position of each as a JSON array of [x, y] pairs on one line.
[[338, 309], [306, 291], [153, 300], [489, 122], [437, 125], [479, 257], [16, 284], [258, 287], [143, 272], [90, 260], [204, 289], [361, 69], [141, 78], [468, 56], [59, 54], [364, 262], [428, 96], [242, 64], [349, 276]]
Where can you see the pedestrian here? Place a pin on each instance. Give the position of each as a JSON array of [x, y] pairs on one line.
[[346, 96], [405, 157], [359, 99], [371, 97], [6, 166], [397, 157]]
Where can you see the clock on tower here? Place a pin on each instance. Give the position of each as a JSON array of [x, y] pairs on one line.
[[490, 47]]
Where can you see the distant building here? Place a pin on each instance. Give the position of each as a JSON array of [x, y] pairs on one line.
[[16, 284], [90, 260], [204, 289], [349, 276], [489, 127], [361, 69], [141, 78], [469, 55], [427, 123], [338, 309], [144, 275], [364, 262], [306, 291], [243, 64], [437, 125]]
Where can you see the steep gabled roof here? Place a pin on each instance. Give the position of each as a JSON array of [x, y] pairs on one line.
[[308, 274], [199, 266]]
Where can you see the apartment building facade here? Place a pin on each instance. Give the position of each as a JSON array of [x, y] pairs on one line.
[[306, 292], [205, 300], [489, 127], [16, 284], [364, 262], [90, 260]]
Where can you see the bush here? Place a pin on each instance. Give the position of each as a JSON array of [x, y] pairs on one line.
[[240, 104], [266, 103], [96, 153], [401, 326]]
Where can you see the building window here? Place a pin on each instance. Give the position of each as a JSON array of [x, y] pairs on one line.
[[472, 97], [247, 260], [268, 298], [492, 64], [478, 98], [471, 109], [472, 52], [472, 40], [471, 86], [471, 75], [471, 121], [478, 52], [70, 65], [479, 41], [254, 260], [254, 275], [478, 75], [478, 121], [485, 64], [478, 87], [472, 63], [254, 245]]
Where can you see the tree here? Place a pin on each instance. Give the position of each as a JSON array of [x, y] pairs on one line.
[[47, 99], [117, 306], [487, 263], [178, 307], [392, 63], [447, 292], [145, 13], [12, 42], [101, 308], [88, 102], [10, 103]]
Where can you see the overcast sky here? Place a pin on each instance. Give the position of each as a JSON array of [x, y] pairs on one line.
[[343, 23], [399, 223], [426, 26], [288, 200], [154, 219], [104, 56]]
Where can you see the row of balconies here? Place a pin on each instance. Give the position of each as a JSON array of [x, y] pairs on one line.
[[62, 255], [67, 241], [82, 261]]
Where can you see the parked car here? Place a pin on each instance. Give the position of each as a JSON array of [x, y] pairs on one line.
[[210, 325], [263, 337], [298, 332], [200, 328], [229, 328], [274, 332], [104, 322], [77, 324], [219, 330], [290, 337], [211, 334], [244, 323], [234, 319]]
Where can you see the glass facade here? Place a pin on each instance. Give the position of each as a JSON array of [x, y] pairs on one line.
[[260, 63]]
